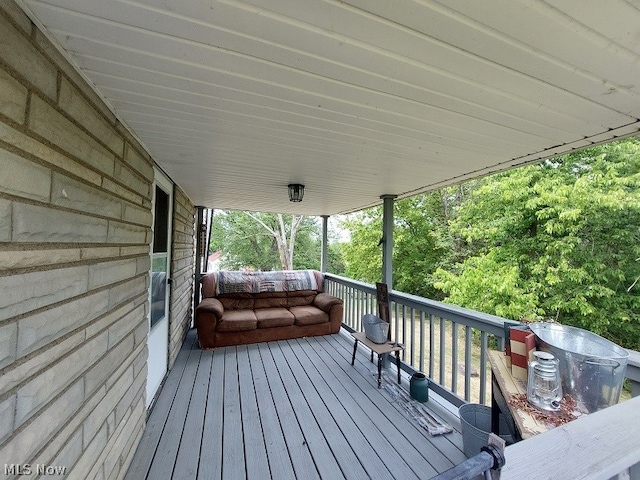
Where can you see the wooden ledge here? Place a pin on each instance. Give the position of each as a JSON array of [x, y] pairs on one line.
[[378, 348]]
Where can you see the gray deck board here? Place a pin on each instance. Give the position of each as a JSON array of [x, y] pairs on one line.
[[276, 447], [283, 410], [210, 452], [233, 464], [386, 424], [167, 450], [447, 450], [297, 447], [342, 452], [355, 425], [256, 459], [154, 428], [186, 465]]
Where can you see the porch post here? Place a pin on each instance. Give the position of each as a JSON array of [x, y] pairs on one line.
[[203, 238], [387, 239], [200, 239], [325, 243]]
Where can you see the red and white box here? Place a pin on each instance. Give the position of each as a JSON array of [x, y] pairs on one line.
[[507, 337], [523, 344]]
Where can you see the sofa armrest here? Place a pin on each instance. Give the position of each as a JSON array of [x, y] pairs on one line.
[[210, 305], [324, 301], [208, 312]]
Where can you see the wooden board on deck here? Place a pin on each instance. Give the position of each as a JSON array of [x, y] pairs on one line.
[[510, 386], [289, 409], [379, 348]]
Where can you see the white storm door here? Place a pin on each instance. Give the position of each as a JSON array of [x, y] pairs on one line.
[[158, 339]]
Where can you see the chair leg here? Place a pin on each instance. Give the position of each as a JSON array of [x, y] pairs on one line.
[[355, 348], [398, 364]]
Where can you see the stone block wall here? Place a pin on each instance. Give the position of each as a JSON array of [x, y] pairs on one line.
[[75, 233], [183, 258]]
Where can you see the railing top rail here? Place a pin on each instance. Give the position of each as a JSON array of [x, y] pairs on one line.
[[367, 287], [599, 445], [482, 321], [633, 373]]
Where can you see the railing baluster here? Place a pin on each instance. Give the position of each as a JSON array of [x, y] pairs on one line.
[[404, 333], [483, 367], [468, 337], [354, 303], [353, 307], [394, 313], [454, 357], [432, 344], [412, 312], [443, 349], [347, 299], [360, 298], [373, 304], [421, 363]]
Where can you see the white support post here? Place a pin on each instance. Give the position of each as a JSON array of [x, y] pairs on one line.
[[387, 239], [325, 243], [387, 250]]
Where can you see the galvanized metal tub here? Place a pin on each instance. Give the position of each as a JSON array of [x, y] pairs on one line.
[[375, 329], [592, 368]]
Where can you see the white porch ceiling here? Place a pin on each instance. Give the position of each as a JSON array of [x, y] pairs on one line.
[[357, 98]]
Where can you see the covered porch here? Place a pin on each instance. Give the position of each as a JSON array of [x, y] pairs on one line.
[[111, 113], [298, 409], [287, 409]]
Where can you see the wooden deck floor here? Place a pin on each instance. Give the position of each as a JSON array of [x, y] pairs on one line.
[[292, 409]]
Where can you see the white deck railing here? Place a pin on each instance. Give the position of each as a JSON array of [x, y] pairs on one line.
[[447, 342], [442, 339], [602, 445]]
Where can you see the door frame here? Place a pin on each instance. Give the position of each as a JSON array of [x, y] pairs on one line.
[[158, 335]]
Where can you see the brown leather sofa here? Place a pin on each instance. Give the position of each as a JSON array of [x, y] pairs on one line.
[[250, 307]]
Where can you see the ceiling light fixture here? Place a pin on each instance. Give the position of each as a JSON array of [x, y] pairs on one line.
[[296, 192]]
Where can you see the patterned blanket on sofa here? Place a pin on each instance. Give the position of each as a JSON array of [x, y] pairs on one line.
[[256, 282]]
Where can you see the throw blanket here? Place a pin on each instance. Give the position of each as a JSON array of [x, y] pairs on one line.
[[256, 282]]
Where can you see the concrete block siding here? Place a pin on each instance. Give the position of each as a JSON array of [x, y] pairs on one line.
[[75, 233], [182, 272]]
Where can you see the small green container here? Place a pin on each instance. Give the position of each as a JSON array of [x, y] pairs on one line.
[[419, 387]]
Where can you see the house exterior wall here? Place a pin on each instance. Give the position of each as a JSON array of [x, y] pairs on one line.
[[75, 233], [183, 258]]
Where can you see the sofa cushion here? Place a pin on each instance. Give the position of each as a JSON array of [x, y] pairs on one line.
[[208, 285], [237, 320], [298, 300], [274, 317], [325, 301], [302, 293], [239, 302], [309, 315], [269, 299], [300, 297]]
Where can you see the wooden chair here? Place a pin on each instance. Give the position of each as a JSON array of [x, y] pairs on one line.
[[380, 349]]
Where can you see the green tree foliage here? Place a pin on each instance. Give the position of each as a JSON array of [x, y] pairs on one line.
[[418, 245], [247, 240], [335, 261], [559, 240], [362, 254]]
